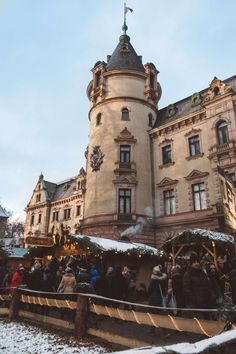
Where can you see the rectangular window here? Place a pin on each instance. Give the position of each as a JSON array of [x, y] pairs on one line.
[[125, 153], [40, 219], [78, 210], [67, 213], [38, 198], [194, 145], [32, 220], [166, 154], [55, 216], [97, 78], [124, 201], [199, 196], [169, 202]]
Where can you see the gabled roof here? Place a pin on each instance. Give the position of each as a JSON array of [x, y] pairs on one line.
[[124, 57]]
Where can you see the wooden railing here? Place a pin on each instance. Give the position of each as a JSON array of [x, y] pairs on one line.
[[83, 310]]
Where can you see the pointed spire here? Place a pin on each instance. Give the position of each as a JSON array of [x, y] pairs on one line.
[[41, 176]]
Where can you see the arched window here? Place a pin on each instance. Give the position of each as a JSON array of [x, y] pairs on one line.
[[150, 120], [125, 114], [222, 132], [98, 119]]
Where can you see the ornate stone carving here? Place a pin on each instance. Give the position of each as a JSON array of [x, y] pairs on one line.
[[96, 158], [196, 99], [125, 135], [167, 182], [217, 88], [196, 174], [171, 110]]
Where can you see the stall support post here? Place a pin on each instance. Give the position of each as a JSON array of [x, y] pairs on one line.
[[14, 304], [81, 316]]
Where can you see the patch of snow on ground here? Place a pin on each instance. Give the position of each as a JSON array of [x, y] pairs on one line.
[[19, 338]]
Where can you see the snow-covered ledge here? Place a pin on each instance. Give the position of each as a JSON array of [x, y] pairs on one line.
[[201, 347]]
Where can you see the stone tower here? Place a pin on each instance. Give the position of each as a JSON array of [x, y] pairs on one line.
[[124, 94]]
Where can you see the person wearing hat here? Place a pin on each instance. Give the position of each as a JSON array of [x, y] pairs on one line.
[[157, 287], [17, 279], [197, 287]]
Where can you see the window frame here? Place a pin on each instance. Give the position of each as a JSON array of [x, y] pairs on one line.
[[222, 132], [125, 114], [124, 201], [169, 202], [193, 144], [166, 159], [67, 213], [125, 155], [201, 195]]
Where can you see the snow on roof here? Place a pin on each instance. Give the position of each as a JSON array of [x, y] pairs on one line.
[[187, 348], [200, 235], [16, 252], [119, 246]]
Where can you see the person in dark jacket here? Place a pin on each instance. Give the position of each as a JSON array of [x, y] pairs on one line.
[[36, 278], [116, 285], [232, 278], [197, 287], [217, 296]]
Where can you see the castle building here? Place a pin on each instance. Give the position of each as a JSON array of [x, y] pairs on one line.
[[158, 170]]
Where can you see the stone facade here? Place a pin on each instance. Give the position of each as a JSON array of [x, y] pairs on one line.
[[157, 169]]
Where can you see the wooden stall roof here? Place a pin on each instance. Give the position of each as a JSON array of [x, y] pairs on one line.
[[108, 245], [199, 236]]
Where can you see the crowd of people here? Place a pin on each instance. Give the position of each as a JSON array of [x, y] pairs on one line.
[[196, 284]]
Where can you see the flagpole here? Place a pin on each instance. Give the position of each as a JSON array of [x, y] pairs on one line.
[[124, 26]]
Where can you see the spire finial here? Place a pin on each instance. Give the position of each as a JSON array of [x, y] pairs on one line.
[[125, 27]]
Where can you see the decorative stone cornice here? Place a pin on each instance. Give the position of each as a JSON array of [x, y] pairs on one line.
[[166, 182], [125, 135], [196, 174], [193, 131]]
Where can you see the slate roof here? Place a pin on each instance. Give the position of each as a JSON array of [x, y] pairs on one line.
[[3, 213], [61, 190], [185, 106], [124, 57]]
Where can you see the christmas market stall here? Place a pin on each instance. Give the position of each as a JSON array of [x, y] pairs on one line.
[[16, 256], [137, 256], [215, 244]]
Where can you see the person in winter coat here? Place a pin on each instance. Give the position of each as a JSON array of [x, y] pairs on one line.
[[116, 285], [94, 275], [36, 278], [232, 278], [217, 296], [197, 287], [17, 279], [157, 287], [68, 282]]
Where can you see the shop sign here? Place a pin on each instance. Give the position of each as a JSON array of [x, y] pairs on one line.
[[39, 241]]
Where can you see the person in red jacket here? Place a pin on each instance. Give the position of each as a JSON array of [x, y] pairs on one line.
[[16, 279]]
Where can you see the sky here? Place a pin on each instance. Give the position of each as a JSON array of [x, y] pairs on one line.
[[47, 50]]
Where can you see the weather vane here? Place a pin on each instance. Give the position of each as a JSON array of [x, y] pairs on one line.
[[126, 9]]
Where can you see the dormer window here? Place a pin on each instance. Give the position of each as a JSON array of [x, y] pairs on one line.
[[98, 77], [38, 198], [216, 91], [98, 119], [125, 114]]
